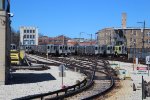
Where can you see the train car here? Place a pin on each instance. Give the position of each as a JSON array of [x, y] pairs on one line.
[[42, 49], [120, 50], [92, 50], [71, 50], [62, 50], [81, 50], [102, 50], [33, 49], [14, 55], [110, 50], [51, 49], [13, 47]]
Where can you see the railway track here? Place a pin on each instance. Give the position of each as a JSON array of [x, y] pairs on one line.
[[103, 80]]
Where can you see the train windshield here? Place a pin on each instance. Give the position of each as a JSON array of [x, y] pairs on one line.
[[65, 47], [47, 47], [96, 48]]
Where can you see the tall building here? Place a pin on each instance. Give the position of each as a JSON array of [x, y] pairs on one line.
[[28, 36], [131, 37], [108, 36], [124, 19], [4, 41]]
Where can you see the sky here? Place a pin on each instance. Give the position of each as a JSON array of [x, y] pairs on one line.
[[71, 17]]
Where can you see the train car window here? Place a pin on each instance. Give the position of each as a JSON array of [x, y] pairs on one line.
[[54, 47], [14, 47], [119, 48], [47, 47], [60, 47], [65, 47], [108, 48], [95, 48], [116, 48]]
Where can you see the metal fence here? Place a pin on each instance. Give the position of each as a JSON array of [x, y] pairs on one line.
[[138, 52]]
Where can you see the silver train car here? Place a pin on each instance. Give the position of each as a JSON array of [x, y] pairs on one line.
[[99, 50]]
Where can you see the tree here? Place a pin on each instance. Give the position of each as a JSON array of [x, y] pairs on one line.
[[15, 37]]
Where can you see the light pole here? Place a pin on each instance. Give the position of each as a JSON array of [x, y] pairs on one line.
[[91, 38], [96, 37], [143, 35], [80, 37]]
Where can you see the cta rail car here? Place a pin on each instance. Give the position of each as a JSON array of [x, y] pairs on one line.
[[101, 50], [120, 50]]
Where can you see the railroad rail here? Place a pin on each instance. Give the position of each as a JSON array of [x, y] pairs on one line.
[[98, 82]]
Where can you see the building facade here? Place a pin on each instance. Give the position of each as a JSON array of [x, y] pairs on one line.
[[59, 40], [131, 37], [106, 36], [28, 35], [5, 31], [135, 37]]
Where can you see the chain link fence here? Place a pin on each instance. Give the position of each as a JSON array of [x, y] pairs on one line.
[[138, 52]]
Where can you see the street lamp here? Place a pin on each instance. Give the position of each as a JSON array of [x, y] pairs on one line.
[[80, 37], [143, 35], [91, 38], [96, 37]]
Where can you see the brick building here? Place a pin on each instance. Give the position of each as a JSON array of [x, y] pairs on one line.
[[132, 37], [59, 40]]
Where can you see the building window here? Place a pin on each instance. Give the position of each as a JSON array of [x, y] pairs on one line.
[[30, 36], [25, 31], [148, 34], [26, 42], [33, 31], [33, 36], [134, 32], [32, 42], [149, 41], [146, 41], [30, 31], [134, 40], [27, 36], [24, 36], [130, 39]]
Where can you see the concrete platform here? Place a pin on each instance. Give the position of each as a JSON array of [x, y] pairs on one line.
[[30, 82]]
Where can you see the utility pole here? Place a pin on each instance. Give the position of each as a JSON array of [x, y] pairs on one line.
[[143, 32], [110, 36], [91, 39]]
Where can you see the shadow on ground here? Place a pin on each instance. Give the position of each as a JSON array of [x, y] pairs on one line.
[[20, 78]]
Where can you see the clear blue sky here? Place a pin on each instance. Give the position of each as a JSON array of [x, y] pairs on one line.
[[70, 17]]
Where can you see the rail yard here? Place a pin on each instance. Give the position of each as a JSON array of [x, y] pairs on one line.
[[74, 50], [87, 77]]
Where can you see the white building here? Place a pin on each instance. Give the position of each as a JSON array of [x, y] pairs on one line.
[[28, 35]]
